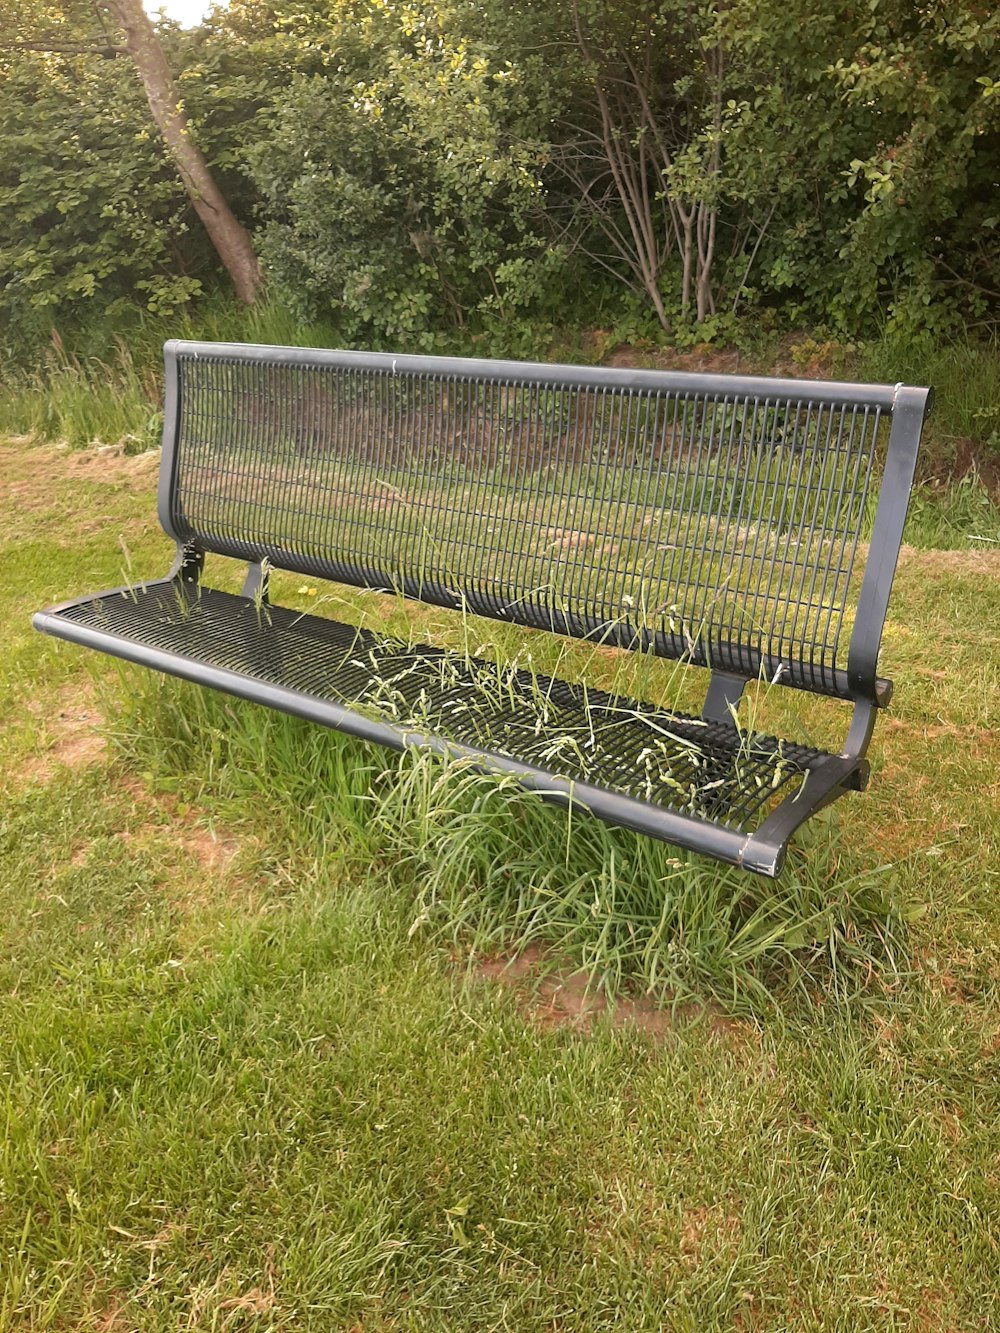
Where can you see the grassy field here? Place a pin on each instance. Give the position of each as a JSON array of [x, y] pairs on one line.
[[265, 1067]]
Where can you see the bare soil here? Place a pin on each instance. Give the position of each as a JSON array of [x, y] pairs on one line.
[[74, 727], [26, 468], [985, 562], [553, 995]]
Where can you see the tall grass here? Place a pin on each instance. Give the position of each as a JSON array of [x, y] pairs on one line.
[[964, 373], [959, 514], [104, 384], [487, 866], [102, 381], [64, 397]]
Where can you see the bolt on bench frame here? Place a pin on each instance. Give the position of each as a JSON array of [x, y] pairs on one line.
[[712, 519]]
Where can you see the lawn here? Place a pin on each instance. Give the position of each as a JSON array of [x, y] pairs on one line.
[[265, 1067]]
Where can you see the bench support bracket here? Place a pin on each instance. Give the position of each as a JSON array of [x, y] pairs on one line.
[[188, 565], [255, 585], [724, 693]]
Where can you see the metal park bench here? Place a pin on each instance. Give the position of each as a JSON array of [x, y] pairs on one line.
[[718, 520]]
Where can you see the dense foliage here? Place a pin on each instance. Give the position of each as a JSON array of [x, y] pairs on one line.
[[883, 131], [417, 169], [89, 212], [402, 184]]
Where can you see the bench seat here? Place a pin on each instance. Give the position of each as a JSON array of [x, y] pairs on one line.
[[671, 776]]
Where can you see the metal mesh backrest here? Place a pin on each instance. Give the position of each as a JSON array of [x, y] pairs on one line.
[[720, 523]]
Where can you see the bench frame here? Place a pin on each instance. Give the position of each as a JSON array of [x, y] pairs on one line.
[[763, 850]]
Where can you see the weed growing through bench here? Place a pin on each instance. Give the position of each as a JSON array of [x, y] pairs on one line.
[[506, 705]]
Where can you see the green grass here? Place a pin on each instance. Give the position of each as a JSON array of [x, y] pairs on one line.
[[84, 402], [104, 383], [252, 1079], [956, 516], [965, 374]]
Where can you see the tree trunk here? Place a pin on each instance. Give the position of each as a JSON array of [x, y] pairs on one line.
[[687, 254], [231, 240], [706, 254]]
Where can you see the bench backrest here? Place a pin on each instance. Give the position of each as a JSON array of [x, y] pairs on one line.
[[714, 517]]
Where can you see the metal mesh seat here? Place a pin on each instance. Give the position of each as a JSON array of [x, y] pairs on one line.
[[713, 519]]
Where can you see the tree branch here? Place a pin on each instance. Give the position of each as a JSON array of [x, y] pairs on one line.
[[105, 49]]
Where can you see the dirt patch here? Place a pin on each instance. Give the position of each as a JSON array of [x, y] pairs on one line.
[[199, 862], [797, 356], [952, 562], [702, 359], [111, 464], [707, 1230], [569, 539], [553, 996], [214, 852], [30, 470], [972, 458], [79, 750], [75, 740]]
